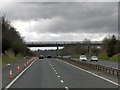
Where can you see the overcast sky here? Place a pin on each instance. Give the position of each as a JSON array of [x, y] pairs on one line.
[[61, 21]]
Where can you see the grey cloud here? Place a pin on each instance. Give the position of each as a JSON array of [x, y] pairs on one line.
[[28, 11], [78, 17], [65, 37]]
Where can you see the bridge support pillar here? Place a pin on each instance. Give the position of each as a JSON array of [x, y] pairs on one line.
[[57, 50], [89, 52]]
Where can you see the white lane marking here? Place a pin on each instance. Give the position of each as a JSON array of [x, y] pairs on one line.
[[91, 73], [56, 73], [58, 76], [66, 88], [61, 81], [50, 64], [13, 81]]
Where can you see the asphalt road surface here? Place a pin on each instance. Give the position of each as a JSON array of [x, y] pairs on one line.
[[104, 63], [6, 69], [53, 73]]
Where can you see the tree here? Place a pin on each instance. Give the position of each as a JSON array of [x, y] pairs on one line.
[[110, 45], [11, 39], [0, 34], [5, 32]]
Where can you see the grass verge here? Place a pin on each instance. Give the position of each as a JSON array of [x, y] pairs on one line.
[[115, 58], [12, 59]]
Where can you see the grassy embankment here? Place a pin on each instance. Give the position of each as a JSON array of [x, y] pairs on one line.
[[104, 57], [10, 58], [6, 60], [0, 61]]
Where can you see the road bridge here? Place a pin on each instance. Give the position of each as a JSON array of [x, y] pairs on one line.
[[65, 43], [62, 43]]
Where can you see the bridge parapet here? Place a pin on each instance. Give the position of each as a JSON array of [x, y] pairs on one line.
[[63, 42]]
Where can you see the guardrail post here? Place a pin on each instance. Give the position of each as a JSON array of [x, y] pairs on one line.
[[113, 71], [57, 48], [117, 73], [105, 69], [89, 51]]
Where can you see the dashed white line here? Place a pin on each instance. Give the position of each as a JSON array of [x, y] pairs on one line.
[[50, 64], [58, 76], [66, 88], [61, 81], [91, 73]]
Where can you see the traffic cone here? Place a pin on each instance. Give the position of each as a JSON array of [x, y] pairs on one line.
[[27, 63], [24, 65], [10, 73], [18, 68]]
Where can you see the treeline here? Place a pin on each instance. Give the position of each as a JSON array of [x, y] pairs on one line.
[[11, 39], [110, 45], [0, 35], [77, 50]]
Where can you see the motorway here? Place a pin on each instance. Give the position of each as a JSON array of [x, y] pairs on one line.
[[5, 71], [54, 73], [111, 64], [107, 63]]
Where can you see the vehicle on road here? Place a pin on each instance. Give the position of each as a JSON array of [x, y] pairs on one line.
[[49, 56], [83, 58], [41, 57], [94, 58], [67, 57]]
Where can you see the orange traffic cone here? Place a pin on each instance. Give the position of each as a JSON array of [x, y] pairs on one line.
[[30, 61], [27, 63], [10, 74], [18, 68], [24, 65]]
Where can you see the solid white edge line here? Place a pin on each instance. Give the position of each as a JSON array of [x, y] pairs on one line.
[[91, 73], [15, 79]]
